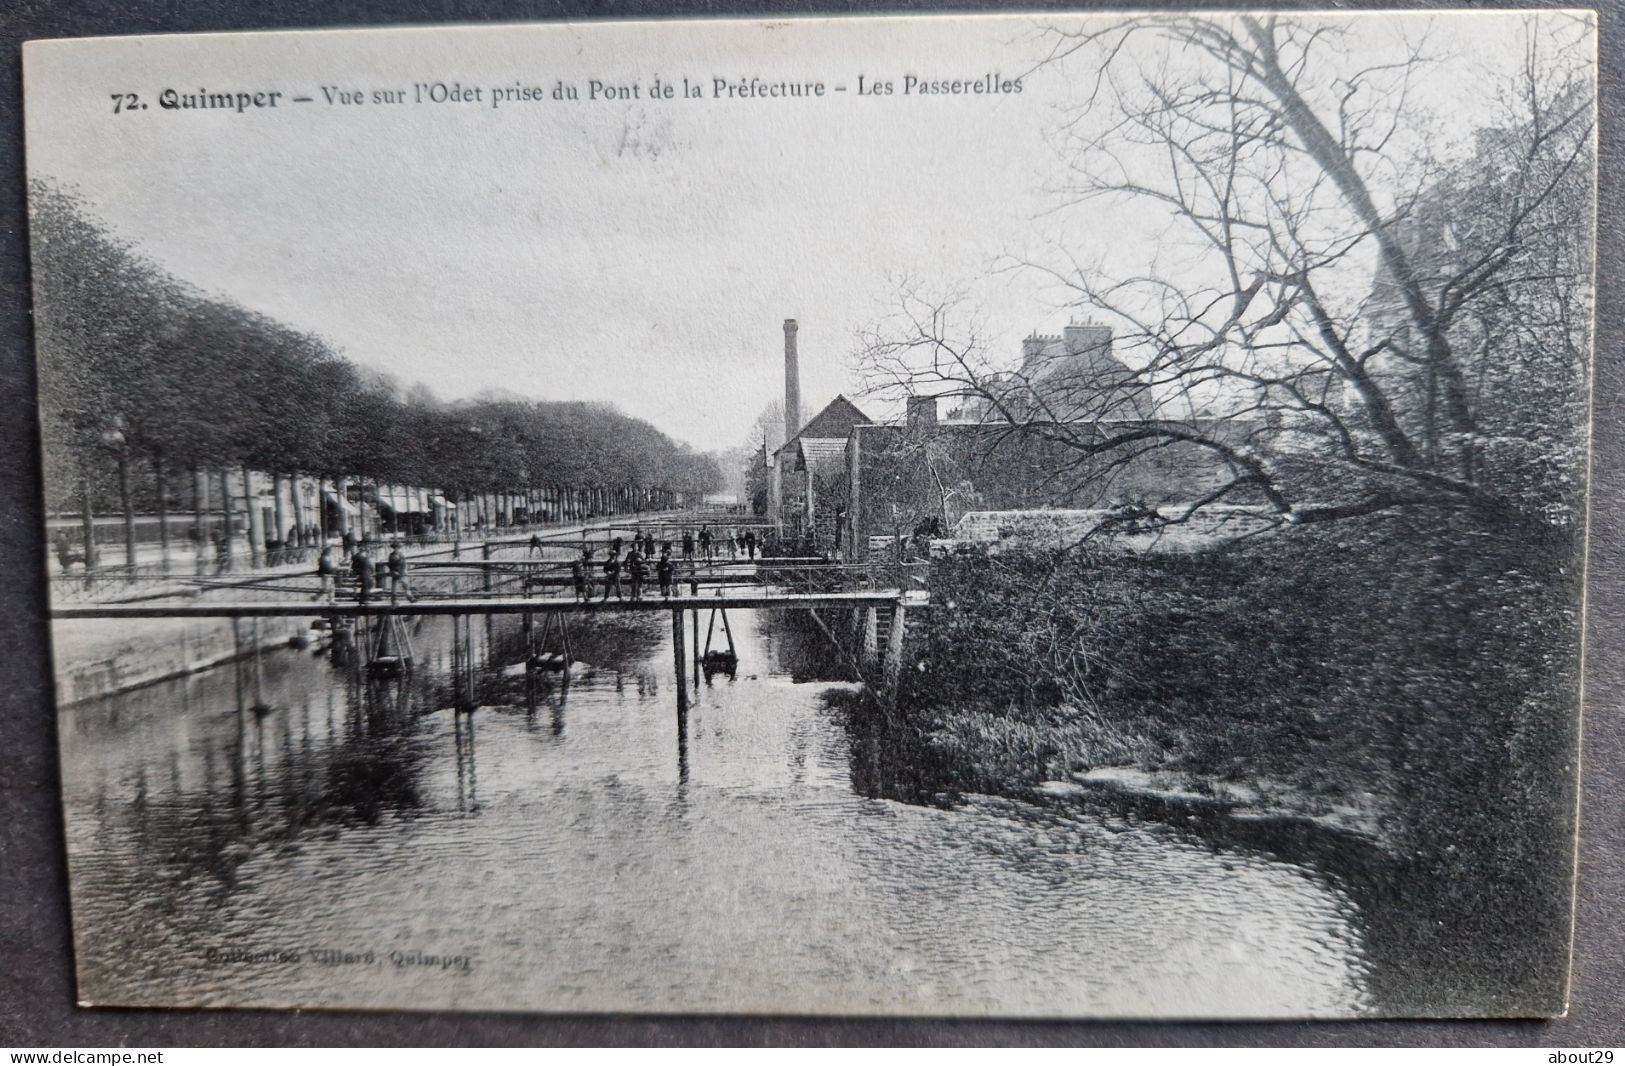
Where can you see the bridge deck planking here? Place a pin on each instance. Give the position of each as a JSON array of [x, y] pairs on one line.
[[479, 605]]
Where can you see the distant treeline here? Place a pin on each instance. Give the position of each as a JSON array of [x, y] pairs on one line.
[[137, 364]]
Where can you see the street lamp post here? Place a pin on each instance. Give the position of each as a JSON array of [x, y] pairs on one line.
[[88, 521]]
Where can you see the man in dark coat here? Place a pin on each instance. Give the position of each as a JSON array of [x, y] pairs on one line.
[[361, 566], [637, 571], [664, 571], [397, 573]]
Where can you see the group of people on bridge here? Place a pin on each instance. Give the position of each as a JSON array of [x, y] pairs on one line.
[[373, 568], [709, 545], [637, 561]]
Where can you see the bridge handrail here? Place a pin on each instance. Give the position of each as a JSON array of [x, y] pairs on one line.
[[381, 607]]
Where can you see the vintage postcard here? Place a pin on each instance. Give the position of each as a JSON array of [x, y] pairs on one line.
[[1025, 515]]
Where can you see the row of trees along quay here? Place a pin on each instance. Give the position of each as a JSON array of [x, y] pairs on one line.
[[156, 399]]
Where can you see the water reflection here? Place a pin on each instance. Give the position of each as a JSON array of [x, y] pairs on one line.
[[590, 848]]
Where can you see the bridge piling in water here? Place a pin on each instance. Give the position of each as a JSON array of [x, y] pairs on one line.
[[237, 662], [696, 616], [680, 659], [260, 706]]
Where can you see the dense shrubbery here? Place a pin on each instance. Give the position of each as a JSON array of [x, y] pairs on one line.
[[1430, 665]]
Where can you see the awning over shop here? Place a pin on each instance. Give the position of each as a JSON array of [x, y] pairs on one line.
[[340, 501], [401, 501]]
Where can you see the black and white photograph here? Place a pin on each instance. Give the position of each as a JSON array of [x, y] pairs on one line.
[[1059, 515]]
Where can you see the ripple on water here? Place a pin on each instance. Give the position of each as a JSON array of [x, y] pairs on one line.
[[584, 856]]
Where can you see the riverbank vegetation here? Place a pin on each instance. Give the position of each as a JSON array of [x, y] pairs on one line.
[[1420, 664], [1413, 682], [1376, 340]]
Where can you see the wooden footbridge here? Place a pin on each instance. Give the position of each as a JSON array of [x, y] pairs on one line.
[[384, 606], [877, 619]]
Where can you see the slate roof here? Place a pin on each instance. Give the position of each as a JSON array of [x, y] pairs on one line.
[[833, 422], [822, 455]]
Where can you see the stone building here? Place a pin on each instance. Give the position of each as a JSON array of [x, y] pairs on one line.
[[930, 470], [807, 478]]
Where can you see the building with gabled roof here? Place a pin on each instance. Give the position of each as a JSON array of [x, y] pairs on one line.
[[807, 474]]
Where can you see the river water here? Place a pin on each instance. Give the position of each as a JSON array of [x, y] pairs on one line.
[[575, 848]]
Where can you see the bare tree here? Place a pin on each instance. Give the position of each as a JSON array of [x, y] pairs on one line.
[[1343, 314]]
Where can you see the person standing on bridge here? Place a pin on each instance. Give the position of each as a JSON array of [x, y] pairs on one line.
[[688, 546], [612, 576], [733, 546], [361, 567], [705, 543], [582, 583], [327, 572], [664, 571], [397, 574], [750, 544], [637, 570], [648, 545], [535, 545]]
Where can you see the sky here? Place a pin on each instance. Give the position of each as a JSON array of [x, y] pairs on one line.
[[644, 252]]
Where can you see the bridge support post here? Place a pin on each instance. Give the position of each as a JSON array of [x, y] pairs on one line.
[[463, 682], [681, 660], [894, 650], [259, 673], [869, 657], [237, 661], [485, 571]]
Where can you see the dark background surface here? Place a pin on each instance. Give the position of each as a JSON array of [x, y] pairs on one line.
[[36, 969]]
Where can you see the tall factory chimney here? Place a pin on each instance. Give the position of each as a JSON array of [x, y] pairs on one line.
[[792, 382]]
